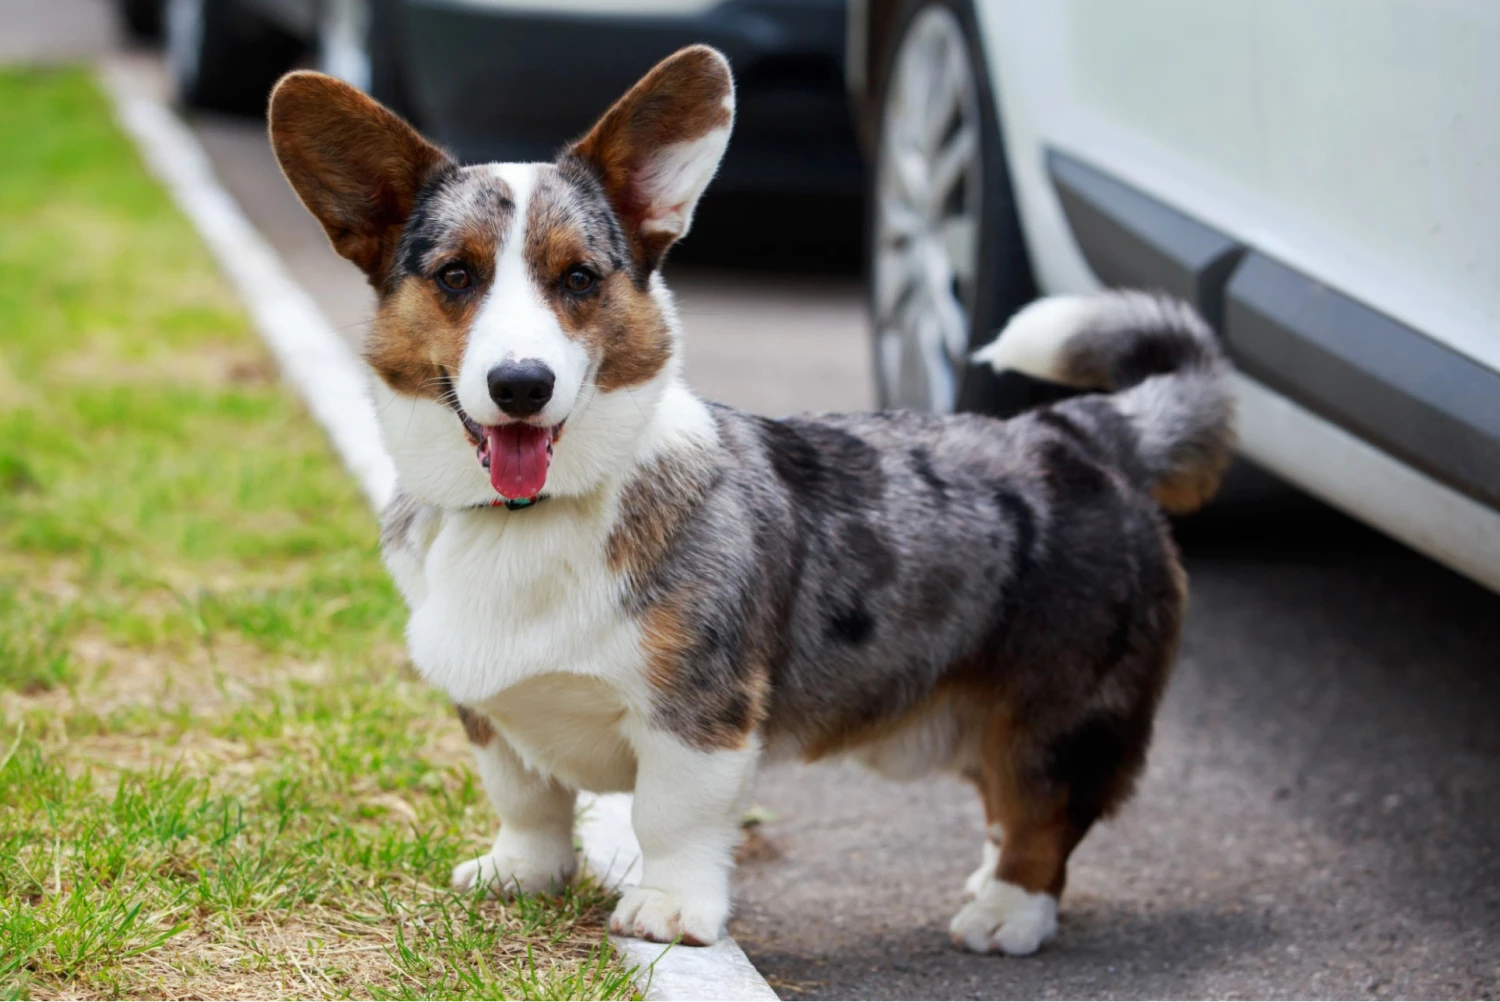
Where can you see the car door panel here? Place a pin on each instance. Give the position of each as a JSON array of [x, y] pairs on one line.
[[1351, 139], [1382, 137]]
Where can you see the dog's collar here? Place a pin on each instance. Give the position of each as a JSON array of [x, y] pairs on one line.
[[511, 504]]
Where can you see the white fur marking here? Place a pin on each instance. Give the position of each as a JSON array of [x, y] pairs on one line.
[[1006, 918], [989, 862], [677, 177], [534, 850], [568, 727], [498, 608], [1031, 343], [434, 458], [514, 322], [503, 607], [925, 741]]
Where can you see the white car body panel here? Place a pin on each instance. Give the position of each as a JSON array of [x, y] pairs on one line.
[[1354, 476], [1357, 141]]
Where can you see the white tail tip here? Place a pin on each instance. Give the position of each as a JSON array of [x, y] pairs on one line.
[[1033, 340]]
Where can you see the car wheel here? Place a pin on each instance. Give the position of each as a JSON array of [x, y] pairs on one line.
[[947, 264], [357, 43], [225, 57]]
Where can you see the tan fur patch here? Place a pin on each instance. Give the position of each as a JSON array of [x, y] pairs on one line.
[[955, 697], [356, 165], [1038, 837], [667, 636], [633, 334], [418, 336], [654, 510], [621, 324], [476, 725], [1192, 488], [659, 502], [723, 721]]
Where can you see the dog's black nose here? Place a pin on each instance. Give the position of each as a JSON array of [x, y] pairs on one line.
[[522, 388]]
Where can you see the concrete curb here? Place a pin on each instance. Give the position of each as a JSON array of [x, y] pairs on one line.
[[332, 383]]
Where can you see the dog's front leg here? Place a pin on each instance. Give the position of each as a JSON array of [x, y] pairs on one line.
[[534, 850], [688, 805]]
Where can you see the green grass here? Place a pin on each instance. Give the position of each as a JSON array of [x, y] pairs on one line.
[[217, 778]]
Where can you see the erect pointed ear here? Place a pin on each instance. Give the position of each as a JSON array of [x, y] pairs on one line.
[[658, 147], [356, 165]]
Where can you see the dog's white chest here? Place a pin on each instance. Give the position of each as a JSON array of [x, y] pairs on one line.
[[504, 600]]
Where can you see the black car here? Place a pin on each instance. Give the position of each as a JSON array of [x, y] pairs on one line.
[[515, 79]]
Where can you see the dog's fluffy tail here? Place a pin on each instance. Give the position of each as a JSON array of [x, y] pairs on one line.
[[1167, 375]]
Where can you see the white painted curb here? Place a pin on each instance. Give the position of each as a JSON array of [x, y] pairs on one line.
[[331, 381]]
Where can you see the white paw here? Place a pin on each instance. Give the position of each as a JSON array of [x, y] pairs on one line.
[[1006, 918], [506, 874], [665, 916], [988, 864]]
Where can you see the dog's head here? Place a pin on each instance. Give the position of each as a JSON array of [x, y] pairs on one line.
[[521, 338]]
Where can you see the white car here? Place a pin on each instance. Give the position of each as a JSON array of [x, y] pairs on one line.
[[1320, 177]]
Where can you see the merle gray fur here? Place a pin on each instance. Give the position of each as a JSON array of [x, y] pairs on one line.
[[860, 561]]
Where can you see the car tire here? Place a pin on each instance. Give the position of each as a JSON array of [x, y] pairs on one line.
[[358, 43], [223, 56], [974, 224]]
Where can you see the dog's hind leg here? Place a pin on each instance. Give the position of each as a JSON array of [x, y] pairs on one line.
[[1014, 907], [1012, 897], [1043, 793], [534, 850]]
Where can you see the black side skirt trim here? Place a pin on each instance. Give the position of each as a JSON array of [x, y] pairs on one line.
[[1400, 390], [1422, 402], [1131, 240]]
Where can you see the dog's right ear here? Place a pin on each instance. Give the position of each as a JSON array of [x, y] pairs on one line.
[[656, 150], [356, 165]]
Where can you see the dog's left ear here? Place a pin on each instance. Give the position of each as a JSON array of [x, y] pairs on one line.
[[656, 150]]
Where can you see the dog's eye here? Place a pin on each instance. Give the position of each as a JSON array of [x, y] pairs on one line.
[[578, 280], [455, 278]]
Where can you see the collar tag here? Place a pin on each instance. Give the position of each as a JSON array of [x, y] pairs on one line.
[[515, 504]]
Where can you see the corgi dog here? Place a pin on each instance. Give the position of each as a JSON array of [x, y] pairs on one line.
[[623, 587]]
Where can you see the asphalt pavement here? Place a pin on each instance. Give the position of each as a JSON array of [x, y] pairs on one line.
[[1321, 814]]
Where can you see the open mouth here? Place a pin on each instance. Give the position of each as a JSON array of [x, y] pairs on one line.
[[517, 455]]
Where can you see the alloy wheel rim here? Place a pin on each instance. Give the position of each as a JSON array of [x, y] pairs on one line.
[[184, 41], [928, 178]]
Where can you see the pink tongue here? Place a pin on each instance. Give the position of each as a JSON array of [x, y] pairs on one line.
[[518, 459]]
